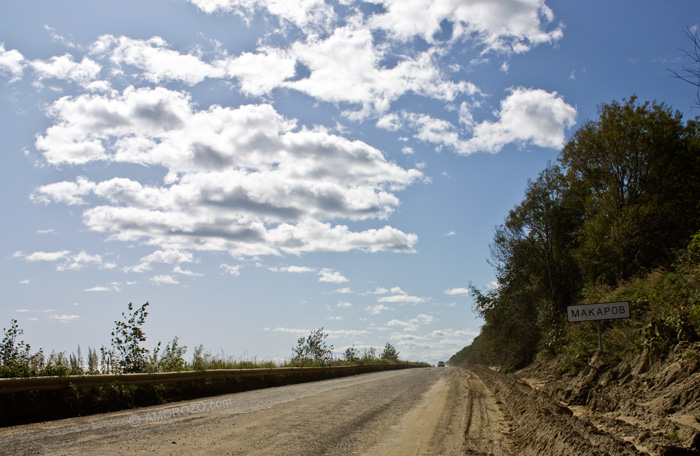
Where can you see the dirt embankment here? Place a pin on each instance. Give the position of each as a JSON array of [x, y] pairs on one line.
[[647, 405], [542, 426]]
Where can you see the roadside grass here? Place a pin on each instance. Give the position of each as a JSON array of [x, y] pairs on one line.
[[127, 355], [61, 364], [664, 311]]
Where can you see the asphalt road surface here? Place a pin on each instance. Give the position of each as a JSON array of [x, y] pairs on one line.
[[427, 411]]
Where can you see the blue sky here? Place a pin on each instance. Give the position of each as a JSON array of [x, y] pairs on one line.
[[257, 169]]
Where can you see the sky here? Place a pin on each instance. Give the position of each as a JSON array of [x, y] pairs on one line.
[[258, 169]]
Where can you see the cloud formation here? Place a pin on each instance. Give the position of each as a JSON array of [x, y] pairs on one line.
[[507, 26], [331, 276], [11, 62], [66, 260], [249, 181], [527, 116], [244, 180], [400, 296], [458, 291]]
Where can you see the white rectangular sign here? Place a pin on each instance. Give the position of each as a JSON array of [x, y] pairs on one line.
[[604, 311]]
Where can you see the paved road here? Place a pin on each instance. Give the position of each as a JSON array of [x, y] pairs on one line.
[[428, 411]]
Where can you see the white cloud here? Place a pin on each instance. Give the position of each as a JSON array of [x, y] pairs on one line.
[[64, 318], [403, 324], [454, 333], [400, 296], [299, 332], [457, 291], [45, 256], [70, 193], [344, 290], [100, 289], [305, 14], [34, 311], [510, 26], [527, 116], [112, 287], [377, 309], [413, 324], [403, 299], [345, 68], [338, 333], [390, 122], [161, 256], [344, 304], [434, 130], [297, 269], [155, 60], [11, 62], [329, 275], [58, 38], [377, 291], [65, 260], [257, 72], [245, 180], [25, 282], [83, 259], [187, 272], [64, 67], [231, 269], [261, 72], [164, 279], [492, 286]]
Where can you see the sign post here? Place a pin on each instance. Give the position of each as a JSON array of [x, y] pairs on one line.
[[598, 312]]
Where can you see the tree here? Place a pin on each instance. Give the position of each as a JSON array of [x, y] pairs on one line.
[[14, 354], [623, 196], [691, 74], [313, 348], [127, 337], [510, 335], [636, 170], [532, 253], [390, 353]]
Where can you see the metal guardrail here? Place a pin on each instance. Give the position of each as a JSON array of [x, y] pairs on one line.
[[26, 384]]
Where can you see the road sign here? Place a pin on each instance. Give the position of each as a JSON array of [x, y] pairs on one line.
[[604, 311]]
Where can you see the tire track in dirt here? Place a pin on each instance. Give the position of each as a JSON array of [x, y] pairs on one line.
[[486, 430]]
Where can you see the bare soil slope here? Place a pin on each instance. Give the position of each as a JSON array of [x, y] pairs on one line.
[[650, 402]]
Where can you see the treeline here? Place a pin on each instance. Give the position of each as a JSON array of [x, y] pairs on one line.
[[621, 200], [127, 353]]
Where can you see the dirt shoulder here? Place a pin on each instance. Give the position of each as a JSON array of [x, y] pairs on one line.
[[647, 405]]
